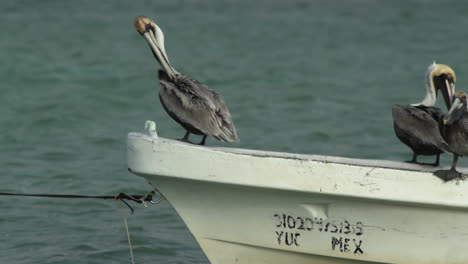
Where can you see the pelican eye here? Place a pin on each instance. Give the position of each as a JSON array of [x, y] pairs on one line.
[[149, 27]]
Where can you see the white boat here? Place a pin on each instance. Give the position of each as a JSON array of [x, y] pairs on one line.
[[247, 206]]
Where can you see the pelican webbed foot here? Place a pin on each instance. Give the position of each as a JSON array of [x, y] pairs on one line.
[[435, 164], [185, 138], [452, 174], [449, 175], [414, 160]]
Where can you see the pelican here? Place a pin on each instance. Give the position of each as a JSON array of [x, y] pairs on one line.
[[456, 133], [419, 125], [197, 108]]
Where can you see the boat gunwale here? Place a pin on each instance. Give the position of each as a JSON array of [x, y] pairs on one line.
[[373, 163], [300, 157]]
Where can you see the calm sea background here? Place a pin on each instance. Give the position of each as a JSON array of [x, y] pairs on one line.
[[315, 77]]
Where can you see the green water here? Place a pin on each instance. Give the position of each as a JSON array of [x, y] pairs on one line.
[[299, 76]]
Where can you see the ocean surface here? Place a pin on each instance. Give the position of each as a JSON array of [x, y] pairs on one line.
[[315, 77]]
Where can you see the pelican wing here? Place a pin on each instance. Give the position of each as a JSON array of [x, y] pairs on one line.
[[421, 123], [224, 118], [196, 105]]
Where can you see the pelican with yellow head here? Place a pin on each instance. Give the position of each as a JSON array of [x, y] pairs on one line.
[[419, 125]]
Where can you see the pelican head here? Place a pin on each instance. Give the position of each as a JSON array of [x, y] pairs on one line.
[[440, 77], [155, 38], [459, 107]]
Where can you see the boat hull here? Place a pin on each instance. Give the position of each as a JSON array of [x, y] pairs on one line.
[[261, 207]]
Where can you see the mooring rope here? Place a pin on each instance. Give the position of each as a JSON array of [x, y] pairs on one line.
[[120, 197], [128, 236]]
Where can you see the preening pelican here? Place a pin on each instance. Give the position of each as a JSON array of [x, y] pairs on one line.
[[419, 126], [456, 133], [193, 105]]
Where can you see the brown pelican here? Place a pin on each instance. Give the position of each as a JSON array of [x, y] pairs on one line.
[[456, 133], [193, 105], [419, 125]]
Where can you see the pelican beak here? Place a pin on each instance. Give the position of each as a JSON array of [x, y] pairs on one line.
[[155, 38], [457, 110], [444, 79]]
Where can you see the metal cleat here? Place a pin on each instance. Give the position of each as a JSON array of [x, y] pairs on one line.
[[150, 128]]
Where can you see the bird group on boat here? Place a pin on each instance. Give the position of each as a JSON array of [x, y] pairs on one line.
[[424, 128], [427, 130]]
